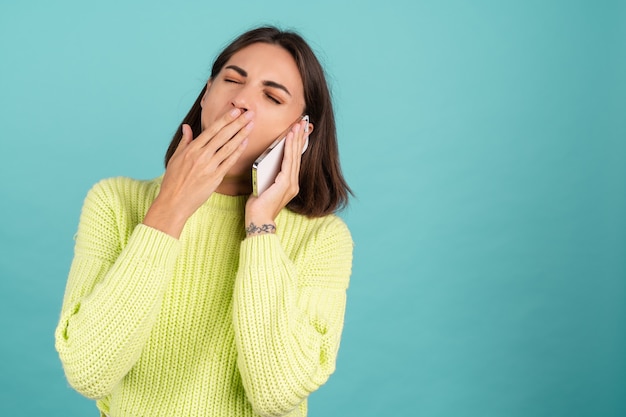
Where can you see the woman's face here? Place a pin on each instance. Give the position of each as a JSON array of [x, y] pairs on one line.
[[263, 78]]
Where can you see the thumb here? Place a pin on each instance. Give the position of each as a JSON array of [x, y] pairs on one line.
[[187, 135], [186, 138]]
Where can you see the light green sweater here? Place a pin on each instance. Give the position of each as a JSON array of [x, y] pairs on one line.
[[212, 324]]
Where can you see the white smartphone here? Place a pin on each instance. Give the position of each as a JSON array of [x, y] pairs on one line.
[[267, 166]]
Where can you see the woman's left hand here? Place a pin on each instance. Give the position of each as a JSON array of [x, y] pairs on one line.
[[261, 211]]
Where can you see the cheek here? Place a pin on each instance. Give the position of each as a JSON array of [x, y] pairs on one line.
[[258, 145], [274, 121], [266, 132], [271, 124], [214, 104]]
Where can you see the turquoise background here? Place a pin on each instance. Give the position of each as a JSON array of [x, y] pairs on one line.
[[486, 143]]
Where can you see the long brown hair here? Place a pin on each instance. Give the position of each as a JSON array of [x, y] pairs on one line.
[[323, 190]]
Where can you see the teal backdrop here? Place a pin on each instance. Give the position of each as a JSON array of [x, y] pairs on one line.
[[485, 142]]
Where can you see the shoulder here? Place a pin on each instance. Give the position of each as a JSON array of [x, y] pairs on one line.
[[121, 198], [334, 226], [113, 207], [329, 223], [329, 230], [123, 190], [124, 185], [322, 247]]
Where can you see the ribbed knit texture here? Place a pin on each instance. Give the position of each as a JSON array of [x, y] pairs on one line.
[[212, 324]]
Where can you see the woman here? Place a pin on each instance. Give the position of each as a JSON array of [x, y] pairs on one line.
[[188, 296]]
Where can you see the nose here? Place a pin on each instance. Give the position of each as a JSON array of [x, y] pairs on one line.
[[242, 99]]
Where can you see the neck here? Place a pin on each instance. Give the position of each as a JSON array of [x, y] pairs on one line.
[[235, 185]]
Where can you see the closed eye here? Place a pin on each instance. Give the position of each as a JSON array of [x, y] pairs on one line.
[[273, 99]]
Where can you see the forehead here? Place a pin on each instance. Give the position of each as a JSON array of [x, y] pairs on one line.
[[267, 62]]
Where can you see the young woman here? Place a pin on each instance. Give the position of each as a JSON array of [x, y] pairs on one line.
[[188, 296]]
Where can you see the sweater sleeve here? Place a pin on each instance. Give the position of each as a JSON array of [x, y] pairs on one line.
[[288, 316], [113, 294]]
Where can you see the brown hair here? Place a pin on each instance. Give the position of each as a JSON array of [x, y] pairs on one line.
[[323, 190]]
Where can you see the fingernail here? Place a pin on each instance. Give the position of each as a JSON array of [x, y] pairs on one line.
[[249, 115], [249, 126], [235, 112], [306, 123], [296, 128]]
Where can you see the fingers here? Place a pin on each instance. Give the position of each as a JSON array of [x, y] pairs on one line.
[[215, 127], [296, 145], [298, 151], [232, 158], [290, 168], [231, 146], [223, 129], [265, 207], [299, 139], [219, 141]]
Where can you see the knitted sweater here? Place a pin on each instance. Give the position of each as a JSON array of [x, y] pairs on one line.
[[211, 324]]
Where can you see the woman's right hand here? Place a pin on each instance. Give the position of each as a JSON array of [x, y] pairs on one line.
[[197, 168]]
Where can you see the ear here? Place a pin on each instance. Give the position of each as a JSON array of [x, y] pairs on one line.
[[311, 127], [206, 91]]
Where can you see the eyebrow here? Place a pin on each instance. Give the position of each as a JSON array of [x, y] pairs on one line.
[[272, 84]]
